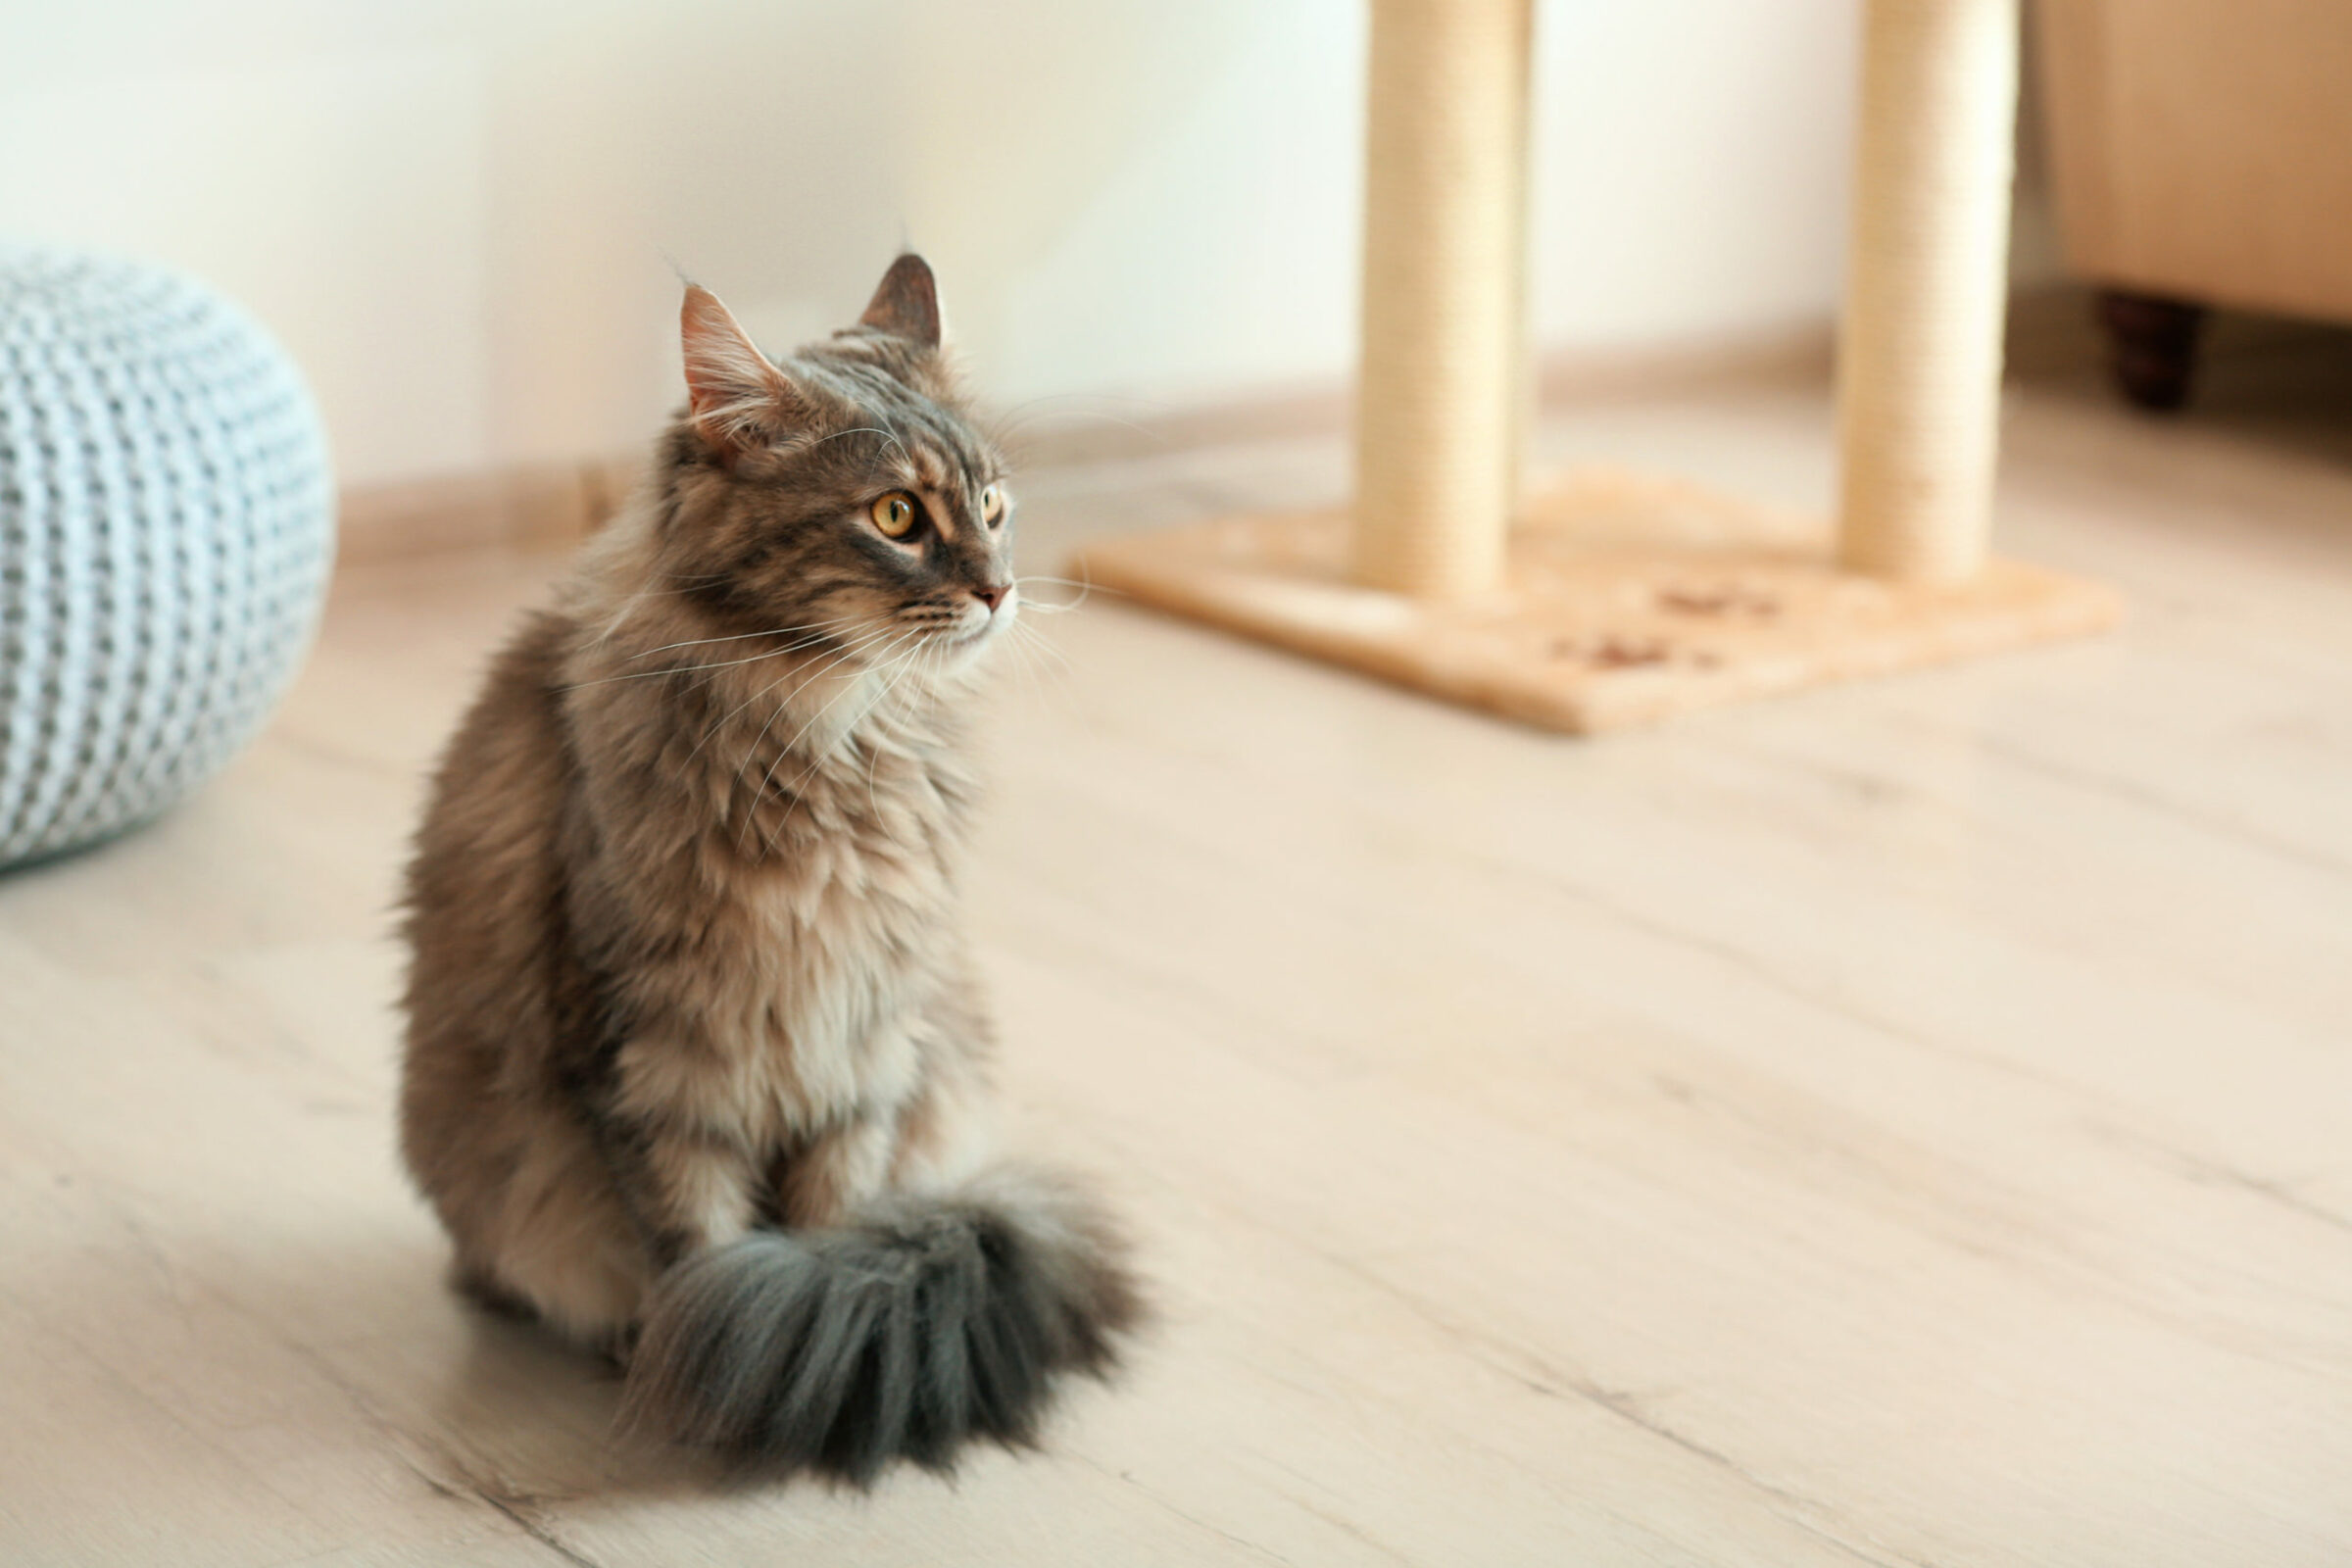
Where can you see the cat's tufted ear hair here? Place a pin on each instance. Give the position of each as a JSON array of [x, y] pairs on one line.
[[907, 305], [738, 397]]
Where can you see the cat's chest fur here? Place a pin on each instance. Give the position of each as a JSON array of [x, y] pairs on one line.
[[812, 928]]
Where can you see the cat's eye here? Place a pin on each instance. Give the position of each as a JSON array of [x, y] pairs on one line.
[[894, 514], [991, 506]]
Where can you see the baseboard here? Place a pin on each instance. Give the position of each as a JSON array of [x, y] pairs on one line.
[[546, 506], [541, 506], [1090, 428]]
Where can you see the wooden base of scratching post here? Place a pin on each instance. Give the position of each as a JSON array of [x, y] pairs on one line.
[[1627, 600], [1616, 600]]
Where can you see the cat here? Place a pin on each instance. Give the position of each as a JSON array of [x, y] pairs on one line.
[[696, 1061]]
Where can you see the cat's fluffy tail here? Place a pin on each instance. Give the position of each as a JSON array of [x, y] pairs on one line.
[[906, 1333]]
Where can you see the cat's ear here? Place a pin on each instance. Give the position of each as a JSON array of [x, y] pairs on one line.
[[907, 305], [738, 398]]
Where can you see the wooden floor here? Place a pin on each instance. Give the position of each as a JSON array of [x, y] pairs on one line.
[[1905, 1124]]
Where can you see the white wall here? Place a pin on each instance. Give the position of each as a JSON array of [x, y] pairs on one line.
[[461, 216]]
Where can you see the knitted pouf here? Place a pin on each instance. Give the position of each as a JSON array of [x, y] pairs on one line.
[[165, 528]]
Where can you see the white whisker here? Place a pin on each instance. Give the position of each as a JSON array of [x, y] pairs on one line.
[[690, 670], [776, 631], [846, 652], [1040, 640], [793, 789]]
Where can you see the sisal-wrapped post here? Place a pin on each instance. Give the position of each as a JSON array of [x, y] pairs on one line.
[[1920, 354], [1436, 413]]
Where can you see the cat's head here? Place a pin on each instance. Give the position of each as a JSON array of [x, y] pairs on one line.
[[841, 495]]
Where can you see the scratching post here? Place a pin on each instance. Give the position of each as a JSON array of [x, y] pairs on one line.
[[1920, 356], [1439, 394], [1612, 599]]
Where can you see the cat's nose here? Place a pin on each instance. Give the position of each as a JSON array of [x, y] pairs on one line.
[[992, 597]]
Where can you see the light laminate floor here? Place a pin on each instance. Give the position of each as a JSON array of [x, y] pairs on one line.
[[1906, 1124]]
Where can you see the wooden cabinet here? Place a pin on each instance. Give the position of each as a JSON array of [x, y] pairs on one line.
[[2201, 154]]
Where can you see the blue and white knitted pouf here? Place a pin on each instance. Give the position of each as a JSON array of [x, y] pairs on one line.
[[165, 528]]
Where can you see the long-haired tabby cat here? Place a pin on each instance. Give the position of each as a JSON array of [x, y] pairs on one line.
[[695, 1067]]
